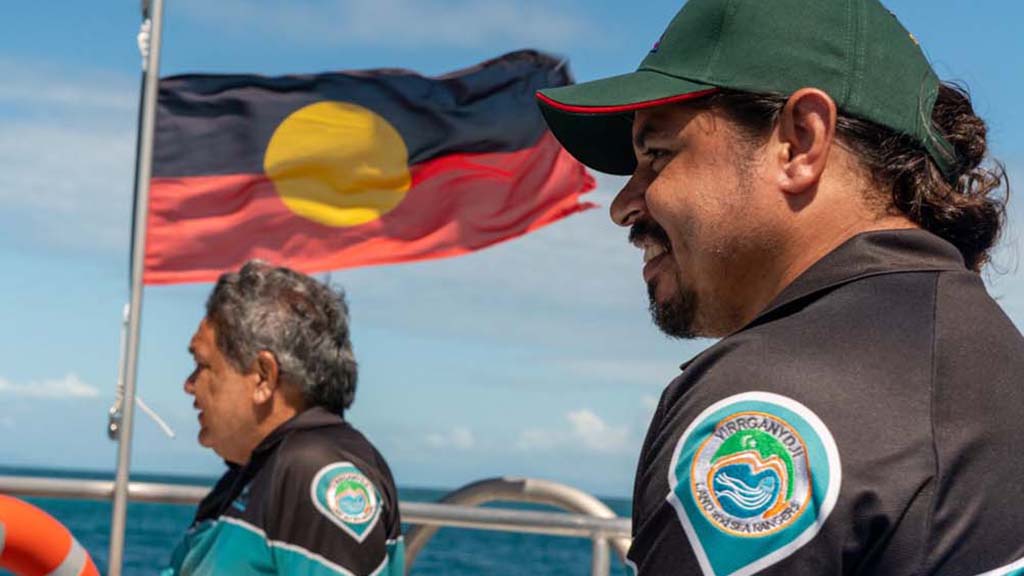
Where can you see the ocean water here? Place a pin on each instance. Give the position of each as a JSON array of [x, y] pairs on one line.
[[154, 529]]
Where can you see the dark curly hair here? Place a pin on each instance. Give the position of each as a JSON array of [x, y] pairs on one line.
[[302, 322], [967, 208]]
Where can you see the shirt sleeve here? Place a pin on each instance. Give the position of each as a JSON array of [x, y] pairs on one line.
[[774, 472], [329, 516]]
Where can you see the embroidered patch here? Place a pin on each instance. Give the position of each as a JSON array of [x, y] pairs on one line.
[[754, 478], [347, 497]]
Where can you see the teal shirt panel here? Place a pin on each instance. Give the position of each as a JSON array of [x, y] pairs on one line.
[[234, 547], [395, 562], [221, 547]]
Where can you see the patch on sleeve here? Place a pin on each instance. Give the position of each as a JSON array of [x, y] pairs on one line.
[[346, 497], [754, 478]]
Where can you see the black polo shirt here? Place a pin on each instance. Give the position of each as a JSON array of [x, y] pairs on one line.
[[867, 422], [316, 498]]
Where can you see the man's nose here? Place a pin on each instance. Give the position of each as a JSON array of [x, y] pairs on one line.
[[629, 204]]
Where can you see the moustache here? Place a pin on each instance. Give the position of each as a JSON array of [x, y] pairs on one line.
[[646, 230]]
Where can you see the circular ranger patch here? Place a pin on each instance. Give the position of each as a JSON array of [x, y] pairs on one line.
[[347, 497], [351, 497], [751, 476], [753, 479]]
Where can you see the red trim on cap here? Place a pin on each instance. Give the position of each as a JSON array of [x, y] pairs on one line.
[[624, 107]]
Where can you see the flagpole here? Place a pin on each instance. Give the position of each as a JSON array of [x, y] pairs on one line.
[[153, 12]]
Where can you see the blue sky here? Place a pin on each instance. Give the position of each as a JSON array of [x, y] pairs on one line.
[[535, 357]]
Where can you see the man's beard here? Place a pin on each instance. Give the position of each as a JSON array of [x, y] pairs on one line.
[[677, 315]]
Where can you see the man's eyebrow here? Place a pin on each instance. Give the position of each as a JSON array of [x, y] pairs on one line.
[[640, 138]]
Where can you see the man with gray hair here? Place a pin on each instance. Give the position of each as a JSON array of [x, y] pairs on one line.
[[305, 492]]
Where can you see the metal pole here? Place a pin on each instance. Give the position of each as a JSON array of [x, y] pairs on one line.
[[600, 563], [143, 171]]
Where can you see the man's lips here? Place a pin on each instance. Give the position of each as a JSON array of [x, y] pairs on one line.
[[652, 239], [653, 265], [652, 251]]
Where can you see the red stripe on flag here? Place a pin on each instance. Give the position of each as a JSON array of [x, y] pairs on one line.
[[200, 227]]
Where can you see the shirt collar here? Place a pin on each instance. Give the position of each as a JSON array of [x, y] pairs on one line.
[[314, 417], [233, 482], [866, 254]]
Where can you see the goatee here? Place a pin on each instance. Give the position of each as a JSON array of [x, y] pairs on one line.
[[675, 316]]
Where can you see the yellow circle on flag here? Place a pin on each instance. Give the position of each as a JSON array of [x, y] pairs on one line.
[[338, 164]]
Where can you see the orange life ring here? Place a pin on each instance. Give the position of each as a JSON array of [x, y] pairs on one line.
[[33, 543]]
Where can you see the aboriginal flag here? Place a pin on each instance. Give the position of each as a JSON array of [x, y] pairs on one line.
[[337, 170]]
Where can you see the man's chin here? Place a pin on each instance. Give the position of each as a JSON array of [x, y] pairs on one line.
[[663, 287], [204, 439], [674, 315]]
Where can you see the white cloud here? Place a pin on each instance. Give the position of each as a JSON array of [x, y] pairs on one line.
[[538, 440], [459, 438], [70, 187], [625, 371], [66, 158], [595, 434], [650, 403], [68, 387], [584, 430], [582, 273], [39, 84], [416, 23]]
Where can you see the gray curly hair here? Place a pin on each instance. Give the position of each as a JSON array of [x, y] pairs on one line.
[[301, 321]]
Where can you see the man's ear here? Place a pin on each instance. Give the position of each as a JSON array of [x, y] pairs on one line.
[[806, 131], [268, 372]]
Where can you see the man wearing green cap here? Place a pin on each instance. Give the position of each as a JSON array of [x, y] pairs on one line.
[[805, 188]]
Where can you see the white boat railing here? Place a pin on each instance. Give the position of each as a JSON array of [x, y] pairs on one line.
[[590, 518]]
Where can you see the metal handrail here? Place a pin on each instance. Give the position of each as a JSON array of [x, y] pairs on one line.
[[536, 491], [426, 515], [33, 486], [529, 521]]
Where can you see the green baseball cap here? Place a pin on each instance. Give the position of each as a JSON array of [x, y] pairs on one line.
[[855, 50]]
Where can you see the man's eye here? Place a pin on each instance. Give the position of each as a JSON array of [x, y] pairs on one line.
[[656, 153]]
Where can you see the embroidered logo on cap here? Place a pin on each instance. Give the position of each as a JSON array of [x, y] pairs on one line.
[[754, 478], [657, 44]]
